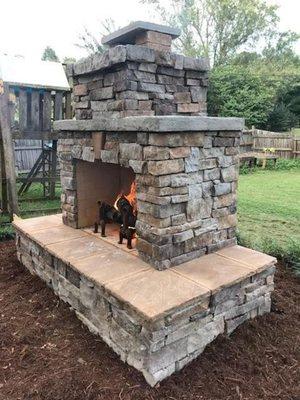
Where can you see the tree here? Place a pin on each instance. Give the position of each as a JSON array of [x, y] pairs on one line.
[[281, 118], [69, 60], [218, 29], [259, 92], [92, 44], [49, 55]]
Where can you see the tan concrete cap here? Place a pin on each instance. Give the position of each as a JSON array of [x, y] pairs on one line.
[[37, 223], [56, 234], [153, 294], [214, 271], [110, 265], [252, 259], [156, 293]]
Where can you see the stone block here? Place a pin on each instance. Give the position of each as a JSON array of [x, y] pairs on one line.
[[144, 104], [140, 53], [110, 156], [148, 67], [198, 94], [221, 189], [159, 211], [170, 71], [177, 139], [223, 141], [144, 76], [229, 174], [193, 82], [178, 219], [188, 108], [180, 152], [182, 97], [207, 163], [211, 174], [179, 198], [102, 94], [80, 90], [128, 94], [156, 153], [206, 334], [192, 162], [165, 167], [151, 87], [196, 64], [183, 236], [199, 208], [131, 151], [227, 221]]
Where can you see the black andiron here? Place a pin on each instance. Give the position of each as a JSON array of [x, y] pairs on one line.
[[122, 213]]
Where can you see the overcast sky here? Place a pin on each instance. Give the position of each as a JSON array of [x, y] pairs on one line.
[[28, 26]]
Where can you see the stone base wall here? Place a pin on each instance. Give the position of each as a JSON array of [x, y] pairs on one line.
[[159, 347], [186, 188], [137, 80]]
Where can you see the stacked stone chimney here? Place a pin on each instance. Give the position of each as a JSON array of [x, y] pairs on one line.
[[139, 75]]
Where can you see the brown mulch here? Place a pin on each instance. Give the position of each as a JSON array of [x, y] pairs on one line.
[[46, 353]]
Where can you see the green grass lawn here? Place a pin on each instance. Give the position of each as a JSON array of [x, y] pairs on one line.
[[269, 213], [296, 131], [31, 205], [269, 205]]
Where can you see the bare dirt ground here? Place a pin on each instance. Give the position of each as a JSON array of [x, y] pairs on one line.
[[46, 353]]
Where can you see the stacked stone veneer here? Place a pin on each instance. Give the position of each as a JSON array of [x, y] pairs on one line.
[[132, 80], [156, 347], [186, 183]]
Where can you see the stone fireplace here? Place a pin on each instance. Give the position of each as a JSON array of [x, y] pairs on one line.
[[141, 131], [184, 166], [185, 170]]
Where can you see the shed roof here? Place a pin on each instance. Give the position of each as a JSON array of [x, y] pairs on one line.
[[19, 71]]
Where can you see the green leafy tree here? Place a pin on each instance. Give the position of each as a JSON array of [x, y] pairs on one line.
[[91, 43], [69, 60], [49, 55], [281, 119], [253, 92], [218, 29]]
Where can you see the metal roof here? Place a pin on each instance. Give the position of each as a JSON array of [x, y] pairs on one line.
[[19, 71]]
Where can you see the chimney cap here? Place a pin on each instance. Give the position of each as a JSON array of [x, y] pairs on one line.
[[127, 34]]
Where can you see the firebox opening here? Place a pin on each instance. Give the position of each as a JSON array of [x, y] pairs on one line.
[[102, 182]]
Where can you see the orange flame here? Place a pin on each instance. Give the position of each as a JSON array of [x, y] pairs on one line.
[[131, 197]]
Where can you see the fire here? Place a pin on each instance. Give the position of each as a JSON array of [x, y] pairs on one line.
[[131, 197]]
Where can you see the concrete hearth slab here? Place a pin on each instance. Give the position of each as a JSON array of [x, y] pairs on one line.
[[55, 234], [254, 260], [150, 292], [44, 222], [213, 271], [112, 237], [155, 293], [110, 265], [75, 249]]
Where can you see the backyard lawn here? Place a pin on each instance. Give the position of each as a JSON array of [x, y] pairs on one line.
[[269, 206]]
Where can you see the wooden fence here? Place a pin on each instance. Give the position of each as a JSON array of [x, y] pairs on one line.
[[285, 145], [26, 153], [32, 111]]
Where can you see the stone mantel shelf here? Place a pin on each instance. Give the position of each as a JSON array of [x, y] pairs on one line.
[[152, 124]]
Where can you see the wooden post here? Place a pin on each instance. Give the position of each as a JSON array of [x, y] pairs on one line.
[[3, 186], [58, 108], [8, 148]]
